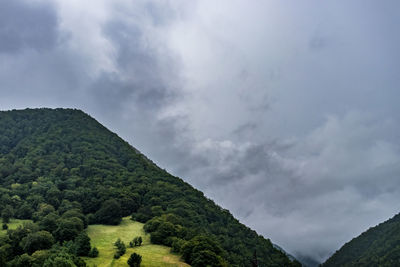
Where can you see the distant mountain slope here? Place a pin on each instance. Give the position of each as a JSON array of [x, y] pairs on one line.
[[378, 246], [62, 168]]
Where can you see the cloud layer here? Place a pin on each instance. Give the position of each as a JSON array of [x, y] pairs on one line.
[[285, 113]]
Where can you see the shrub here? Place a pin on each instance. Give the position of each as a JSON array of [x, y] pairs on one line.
[[136, 242], [134, 260], [121, 248], [94, 252]]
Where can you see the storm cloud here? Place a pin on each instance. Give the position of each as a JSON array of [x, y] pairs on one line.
[[285, 113], [24, 25]]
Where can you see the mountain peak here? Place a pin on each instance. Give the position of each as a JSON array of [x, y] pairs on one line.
[[64, 163]]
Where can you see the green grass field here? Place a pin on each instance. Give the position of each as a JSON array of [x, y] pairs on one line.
[[104, 236], [13, 224]]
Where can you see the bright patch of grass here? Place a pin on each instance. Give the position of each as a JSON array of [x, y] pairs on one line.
[[104, 236], [13, 224]]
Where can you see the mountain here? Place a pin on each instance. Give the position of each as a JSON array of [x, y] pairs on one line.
[[378, 246], [63, 170], [291, 257]]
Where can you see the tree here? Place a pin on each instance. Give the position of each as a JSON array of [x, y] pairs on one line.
[[162, 235], [121, 248], [7, 213], [43, 210], [59, 257], [6, 252], [207, 258], [40, 256], [134, 260], [49, 222], [200, 246], [61, 260], [68, 229], [24, 212], [137, 241], [109, 213], [82, 243], [76, 213], [254, 262], [23, 260], [37, 241]]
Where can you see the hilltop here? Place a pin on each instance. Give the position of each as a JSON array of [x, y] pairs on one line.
[[65, 171]]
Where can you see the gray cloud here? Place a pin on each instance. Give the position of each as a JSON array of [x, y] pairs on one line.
[[285, 114], [142, 86], [26, 25], [137, 64], [319, 191]]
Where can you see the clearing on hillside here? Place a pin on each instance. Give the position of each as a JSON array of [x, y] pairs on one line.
[[104, 236], [13, 224]]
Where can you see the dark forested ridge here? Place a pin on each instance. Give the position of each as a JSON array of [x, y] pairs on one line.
[[378, 246], [63, 170]]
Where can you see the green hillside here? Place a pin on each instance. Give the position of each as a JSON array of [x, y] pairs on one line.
[[379, 246], [103, 237], [64, 170]]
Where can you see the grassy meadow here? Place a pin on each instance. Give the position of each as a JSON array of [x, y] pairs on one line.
[[104, 236], [13, 224]]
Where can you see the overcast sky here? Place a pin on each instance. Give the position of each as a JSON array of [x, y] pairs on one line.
[[285, 112]]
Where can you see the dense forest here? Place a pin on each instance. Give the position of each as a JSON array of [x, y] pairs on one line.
[[63, 170], [378, 246]]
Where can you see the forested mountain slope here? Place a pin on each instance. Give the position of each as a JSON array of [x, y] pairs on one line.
[[64, 170], [378, 246]]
